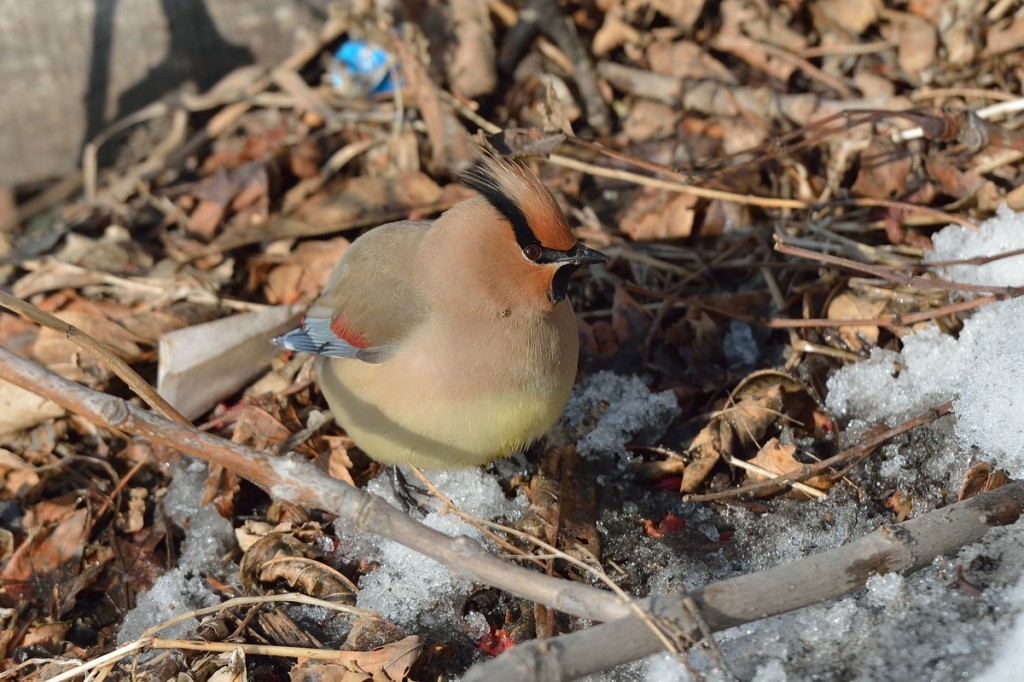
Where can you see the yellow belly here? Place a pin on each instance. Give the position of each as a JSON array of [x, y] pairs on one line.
[[405, 425], [429, 406]]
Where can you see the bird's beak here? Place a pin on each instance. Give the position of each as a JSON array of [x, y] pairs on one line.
[[581, 255]]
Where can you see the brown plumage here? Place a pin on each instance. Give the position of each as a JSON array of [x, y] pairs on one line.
[[452, 343]]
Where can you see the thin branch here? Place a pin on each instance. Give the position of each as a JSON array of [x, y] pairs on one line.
[[76, 336], [303, 484], [897, 320], [807, 471], [892, 275], [893, 548]]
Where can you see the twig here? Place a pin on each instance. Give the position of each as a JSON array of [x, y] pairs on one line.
[[474, 522], [647, 181], [761, 471], [894, 275], [76, 336], [303, 484], [809, 470], [594, 568], [287, 598], [801, 62], [992, 111], [897, 320], [897, 548], [683, 187]]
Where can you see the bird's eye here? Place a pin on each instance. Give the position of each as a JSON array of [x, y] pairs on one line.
[[532, 252]]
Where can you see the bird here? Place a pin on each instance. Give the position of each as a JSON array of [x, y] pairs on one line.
[[451, 343]]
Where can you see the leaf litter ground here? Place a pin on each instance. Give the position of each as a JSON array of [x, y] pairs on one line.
[[731, 137]]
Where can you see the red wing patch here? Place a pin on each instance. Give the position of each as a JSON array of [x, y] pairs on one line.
[[344, 330]]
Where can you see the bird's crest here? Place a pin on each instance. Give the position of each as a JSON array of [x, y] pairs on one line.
[[519, 195]]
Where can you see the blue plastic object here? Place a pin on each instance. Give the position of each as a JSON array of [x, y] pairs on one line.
[[364, 65]]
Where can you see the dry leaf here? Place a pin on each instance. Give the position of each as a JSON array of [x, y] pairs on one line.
[[21, 409], [704, 453], [745, 34], [683, 13], [759, 402], [302, 276], [686, 59], [45, 634], [614, 32], [648, 120], [658, 214], [343, 202], [740, 135], [780, 459], [958, 183], [17, 475], [854, 17], [57, 533], [563, 504], [1004, 36], [279, 557], [981, 478], [389, 663], [115, 252], [230, 667], [883, 174], [900, 503], [133, 519], [848, 306], [339, 465], [56, 352], [918, 45]]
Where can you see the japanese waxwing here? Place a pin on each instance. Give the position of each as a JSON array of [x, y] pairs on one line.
[[452, 343]]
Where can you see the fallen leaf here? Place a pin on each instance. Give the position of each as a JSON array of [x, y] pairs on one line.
[[686, 59], [133, 519], [647, 120], [854, 17], [21, 409], [56, 352], [43, 565], [18, 476], [981, 478], [614, 32], [900, 503], [389, 663], [683, 13], [281, 558], [658, 214], [1004, 36], [302, 277], [339, 464], [883, 173], [780, 459], [230, 667], [917, 46], [759, 402], [848, 306]]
